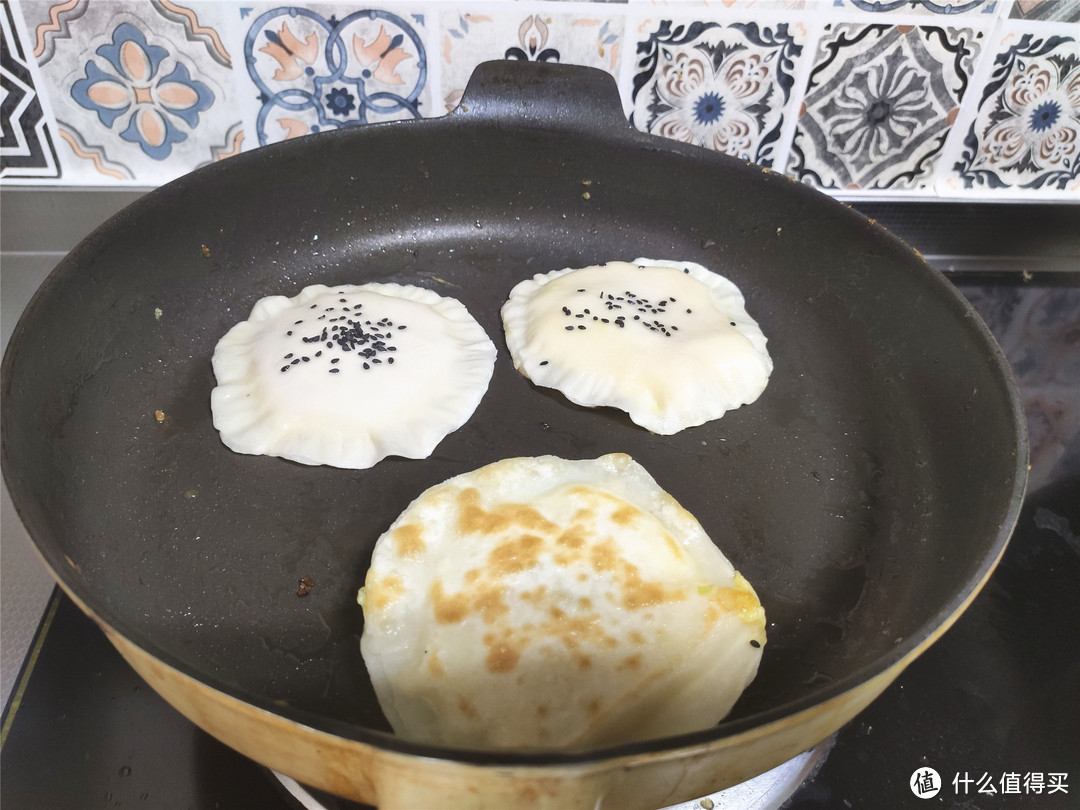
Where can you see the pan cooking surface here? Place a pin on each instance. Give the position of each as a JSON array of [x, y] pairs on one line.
[[863, 494]]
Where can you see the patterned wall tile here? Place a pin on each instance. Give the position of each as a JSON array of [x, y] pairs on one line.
[[27, 146], [141, 91], [305, 69], [879, 105], [724, 86], [1025, 136], [951, 8], [591, 37], [1050, 10]]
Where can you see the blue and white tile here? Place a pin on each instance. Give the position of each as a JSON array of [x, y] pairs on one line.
[[589, 34], [303, 69], [879, 105], [728, 86], [27, 141], [1021, 138], [142, 92]]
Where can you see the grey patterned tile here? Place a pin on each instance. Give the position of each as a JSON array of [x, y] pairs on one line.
[[1025, 136], [724, 86], [942, 8], [590, 36], [1050, 10], [142, 92], [27, 146], [879, 105]]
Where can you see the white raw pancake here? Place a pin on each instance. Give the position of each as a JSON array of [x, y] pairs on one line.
[[668, 342], [348, 375], [547, 603]]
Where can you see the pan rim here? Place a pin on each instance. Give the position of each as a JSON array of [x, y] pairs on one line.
[[907, 650]]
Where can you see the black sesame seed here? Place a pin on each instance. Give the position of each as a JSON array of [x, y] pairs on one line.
[[335, 360], [294, 362], [289, 333], [390, 360], [289, 356], [543, 362], [284, 368], [569, 329], [755, 643], [335, 370], [366, 365], [306, 359], [580, 326], [298, 322], [319, 352]]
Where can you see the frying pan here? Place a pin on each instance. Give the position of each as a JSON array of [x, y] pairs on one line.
[[867, 494]]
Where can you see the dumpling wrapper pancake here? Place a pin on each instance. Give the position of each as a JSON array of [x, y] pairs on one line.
[[348, 375], [540, 603], [668, 342]]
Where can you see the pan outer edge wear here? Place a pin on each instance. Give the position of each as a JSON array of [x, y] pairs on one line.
[[392, 779]]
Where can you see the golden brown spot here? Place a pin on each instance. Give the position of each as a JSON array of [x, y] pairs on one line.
[[467, 708], [472, 575], [636, 592], [487, 601], [502, 655], [639, 593], [556, 613], [675, 548], [448, 609], [593, 707], [583, 661], [474, 519], [636, 637], [574, 537], [408, 542], [435, 665], [604, 556], [584, 603], [515, 556], [382, 592], [573, 631], [535, 595], [542, 710], [625, 515], [631, 662]]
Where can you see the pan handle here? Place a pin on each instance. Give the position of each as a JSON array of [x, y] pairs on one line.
[[544, 94]]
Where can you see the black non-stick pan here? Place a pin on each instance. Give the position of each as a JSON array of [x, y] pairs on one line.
[[867, 494]]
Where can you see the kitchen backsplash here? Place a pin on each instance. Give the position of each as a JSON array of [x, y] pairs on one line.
[[878, 99]]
